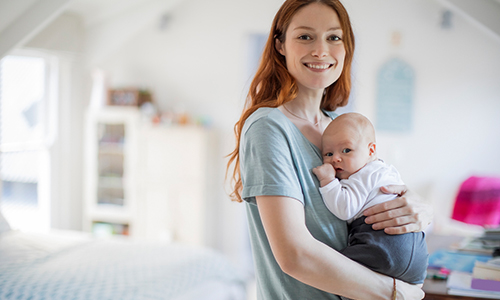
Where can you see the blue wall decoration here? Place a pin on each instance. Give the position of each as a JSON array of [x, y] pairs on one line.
[[395, 89]]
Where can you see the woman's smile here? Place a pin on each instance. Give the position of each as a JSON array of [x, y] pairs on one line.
[[318, 66]]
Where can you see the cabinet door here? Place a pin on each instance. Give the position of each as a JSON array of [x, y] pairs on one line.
[[174, 182], [111, 142], [111, 154]]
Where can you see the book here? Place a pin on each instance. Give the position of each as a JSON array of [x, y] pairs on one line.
[[455, 261], [459, 283], [478, 245], [485, 284], [489, 270], [492, 232]]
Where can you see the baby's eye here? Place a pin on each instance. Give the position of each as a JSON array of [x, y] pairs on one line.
[[346, 150], [329, 154]]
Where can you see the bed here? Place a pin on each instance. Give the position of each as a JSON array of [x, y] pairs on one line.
[[73, 265]]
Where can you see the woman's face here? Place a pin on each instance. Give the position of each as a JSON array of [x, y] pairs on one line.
[[313, 47]]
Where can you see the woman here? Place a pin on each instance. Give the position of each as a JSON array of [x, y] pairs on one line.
[[304, 75]]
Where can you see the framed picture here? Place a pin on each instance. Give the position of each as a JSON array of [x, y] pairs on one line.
[[124, 97], [129, 97]]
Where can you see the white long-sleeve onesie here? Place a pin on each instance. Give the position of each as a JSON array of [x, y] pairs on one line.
[[348, 198]]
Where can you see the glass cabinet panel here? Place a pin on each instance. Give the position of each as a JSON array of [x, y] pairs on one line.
[[110, 160]]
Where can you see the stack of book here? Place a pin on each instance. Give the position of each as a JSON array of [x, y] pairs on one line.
[[486, 275], [481, 278], [485, 244]]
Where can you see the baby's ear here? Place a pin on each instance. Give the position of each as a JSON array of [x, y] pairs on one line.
[[372, 149]]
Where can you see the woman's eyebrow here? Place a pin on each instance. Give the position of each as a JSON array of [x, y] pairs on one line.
[[310, 28]]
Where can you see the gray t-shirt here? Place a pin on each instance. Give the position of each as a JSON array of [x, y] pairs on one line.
[[277, 159]]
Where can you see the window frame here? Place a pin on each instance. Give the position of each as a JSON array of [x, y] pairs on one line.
[[49, 120]]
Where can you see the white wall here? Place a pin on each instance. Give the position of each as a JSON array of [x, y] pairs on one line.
[[457, 94], [199, 62]]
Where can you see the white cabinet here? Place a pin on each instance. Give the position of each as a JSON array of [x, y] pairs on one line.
[[110, 160], [149, 180], [173, 189]]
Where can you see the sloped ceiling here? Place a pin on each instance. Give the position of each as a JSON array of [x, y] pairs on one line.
[[108, 23], [11, 10], [20, 20], [482, 13], [95, 12]]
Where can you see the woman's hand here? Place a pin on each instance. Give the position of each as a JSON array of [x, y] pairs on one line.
[[407, 213]]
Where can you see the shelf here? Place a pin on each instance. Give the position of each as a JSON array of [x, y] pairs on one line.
[[111, 148], [110, 182], [107, 229], [110, 213], [138, 174]]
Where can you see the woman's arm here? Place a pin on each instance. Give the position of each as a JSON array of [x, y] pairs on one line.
[[308, 260], [407, 213]]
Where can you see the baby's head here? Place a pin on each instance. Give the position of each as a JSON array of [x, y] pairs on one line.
[[349, 144]]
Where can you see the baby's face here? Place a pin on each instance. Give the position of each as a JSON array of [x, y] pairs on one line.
[[346, 150]]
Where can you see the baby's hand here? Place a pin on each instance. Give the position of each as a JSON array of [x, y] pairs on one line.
[[325, 174]]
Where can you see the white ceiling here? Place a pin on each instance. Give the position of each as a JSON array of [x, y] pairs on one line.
[[96, 11]]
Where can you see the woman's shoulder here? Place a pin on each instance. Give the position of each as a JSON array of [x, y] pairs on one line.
[[265, 117]]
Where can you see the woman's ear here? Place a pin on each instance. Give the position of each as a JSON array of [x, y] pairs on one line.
[[279, 46]]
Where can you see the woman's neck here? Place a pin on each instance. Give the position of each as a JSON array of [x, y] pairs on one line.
[[307, 105], [304, 111]]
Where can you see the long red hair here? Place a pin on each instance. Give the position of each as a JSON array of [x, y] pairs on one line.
[[273, 86]]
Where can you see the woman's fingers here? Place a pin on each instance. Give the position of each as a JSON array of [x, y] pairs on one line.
[[384, 211], [407, 213], [403, 225], [395, 217], [396, 225]]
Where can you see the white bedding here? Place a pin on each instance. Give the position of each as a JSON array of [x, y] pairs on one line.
[[61, 266]]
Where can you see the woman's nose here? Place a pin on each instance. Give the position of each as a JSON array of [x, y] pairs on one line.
[[320, 49]]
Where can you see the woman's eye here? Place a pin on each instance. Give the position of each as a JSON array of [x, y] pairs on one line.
[[346, 150], [334, 38], [304, 37], [329, 154]]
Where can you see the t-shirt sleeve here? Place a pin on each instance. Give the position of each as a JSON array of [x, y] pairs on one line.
[[266, 162]]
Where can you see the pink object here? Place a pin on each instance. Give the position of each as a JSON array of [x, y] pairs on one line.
[[445, 271], [478, 201]]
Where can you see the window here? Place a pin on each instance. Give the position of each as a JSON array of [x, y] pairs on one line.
[[25, 139]]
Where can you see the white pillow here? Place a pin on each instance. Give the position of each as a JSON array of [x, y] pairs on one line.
[[4, 226]]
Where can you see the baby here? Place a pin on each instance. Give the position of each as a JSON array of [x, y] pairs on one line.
[[350, 180]]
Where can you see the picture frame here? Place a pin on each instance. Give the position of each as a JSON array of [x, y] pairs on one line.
[[123, 97], [128, 97]]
